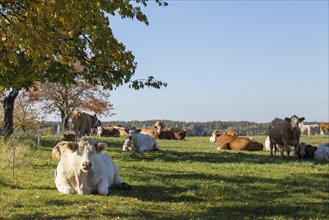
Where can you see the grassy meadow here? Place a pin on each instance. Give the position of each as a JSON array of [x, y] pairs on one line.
[[184, 180]]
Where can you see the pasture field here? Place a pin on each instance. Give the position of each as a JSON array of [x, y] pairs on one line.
[[184, 180]]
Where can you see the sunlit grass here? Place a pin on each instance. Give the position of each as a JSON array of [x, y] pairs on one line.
[[184, 180]]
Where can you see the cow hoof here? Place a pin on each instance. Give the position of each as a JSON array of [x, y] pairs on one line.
[[125, 186]]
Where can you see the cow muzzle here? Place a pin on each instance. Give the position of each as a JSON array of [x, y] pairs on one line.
[[86, 166]]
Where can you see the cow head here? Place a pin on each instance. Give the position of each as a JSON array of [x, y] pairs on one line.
[[294, 122], [213, 136], [95, 122], [99, 131], [301, 150], [159, 125], [87, 150], [128, 144]]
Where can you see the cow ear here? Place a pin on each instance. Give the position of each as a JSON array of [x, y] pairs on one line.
[[100, 146], [73, 146], [287, 119], [56, 153], [301, 119]]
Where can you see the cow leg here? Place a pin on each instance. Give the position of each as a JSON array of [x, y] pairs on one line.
[[103, 188], [65, 189], [271, 148], [286, 146]]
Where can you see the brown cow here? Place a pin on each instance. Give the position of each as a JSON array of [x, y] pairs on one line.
[[148, 131], [324, 127], [165, 133], [214, 135], [229, 142], [82, 123], [123, 131], [180, 135], [107, 131], [159, 124], [285, 132]]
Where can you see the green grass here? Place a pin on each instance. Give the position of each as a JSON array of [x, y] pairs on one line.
[[184, 180]]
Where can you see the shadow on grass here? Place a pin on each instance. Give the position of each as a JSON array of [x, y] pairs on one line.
[[207, 157]]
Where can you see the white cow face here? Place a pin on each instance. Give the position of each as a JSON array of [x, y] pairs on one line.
[[128, 145], [213, 136], [99, 131], [294, 121], [87, 150]]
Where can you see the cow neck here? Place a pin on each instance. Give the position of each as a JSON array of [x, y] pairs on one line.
[[81, 181]]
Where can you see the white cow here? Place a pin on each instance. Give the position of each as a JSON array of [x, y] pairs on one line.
[[139, 142], [83, 169], [322, 153], [309, 129], [267, 145]]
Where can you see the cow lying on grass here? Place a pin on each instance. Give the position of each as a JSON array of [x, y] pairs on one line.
[[306, 151], [229, 142], [139, 142], [83, 169]]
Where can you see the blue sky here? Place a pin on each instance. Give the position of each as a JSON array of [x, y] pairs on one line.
[[228, 61]]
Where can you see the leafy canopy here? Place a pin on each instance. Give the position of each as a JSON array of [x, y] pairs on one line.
[[58, 41]]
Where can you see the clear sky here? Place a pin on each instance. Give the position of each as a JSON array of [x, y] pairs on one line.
[[228, 61]]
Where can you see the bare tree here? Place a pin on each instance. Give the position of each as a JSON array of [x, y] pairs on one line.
[[66, 98]]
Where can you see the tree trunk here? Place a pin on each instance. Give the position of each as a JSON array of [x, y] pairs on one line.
[[8, 106], [65, 120]]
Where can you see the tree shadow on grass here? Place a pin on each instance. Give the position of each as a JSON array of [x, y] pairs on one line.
[[208, 157]]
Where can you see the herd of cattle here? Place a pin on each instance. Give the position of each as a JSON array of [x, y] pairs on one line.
[[84, 169]]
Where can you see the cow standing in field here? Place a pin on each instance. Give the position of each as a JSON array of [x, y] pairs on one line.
[[307, 129], [83, 123], [285, 132], [83, 169], [229, 142]]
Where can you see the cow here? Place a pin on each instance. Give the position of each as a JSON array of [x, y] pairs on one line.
[[229, 142], [83, 123], [172, 133], [165, 133], [148, 131], [285, 132], [180, 135], [307, 129], [214, 135], [305, 151], [324, 128], [83, 169], [159, 125], [322, 153], [107, 131], [267, 145], [139, 142], [123, 131]]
